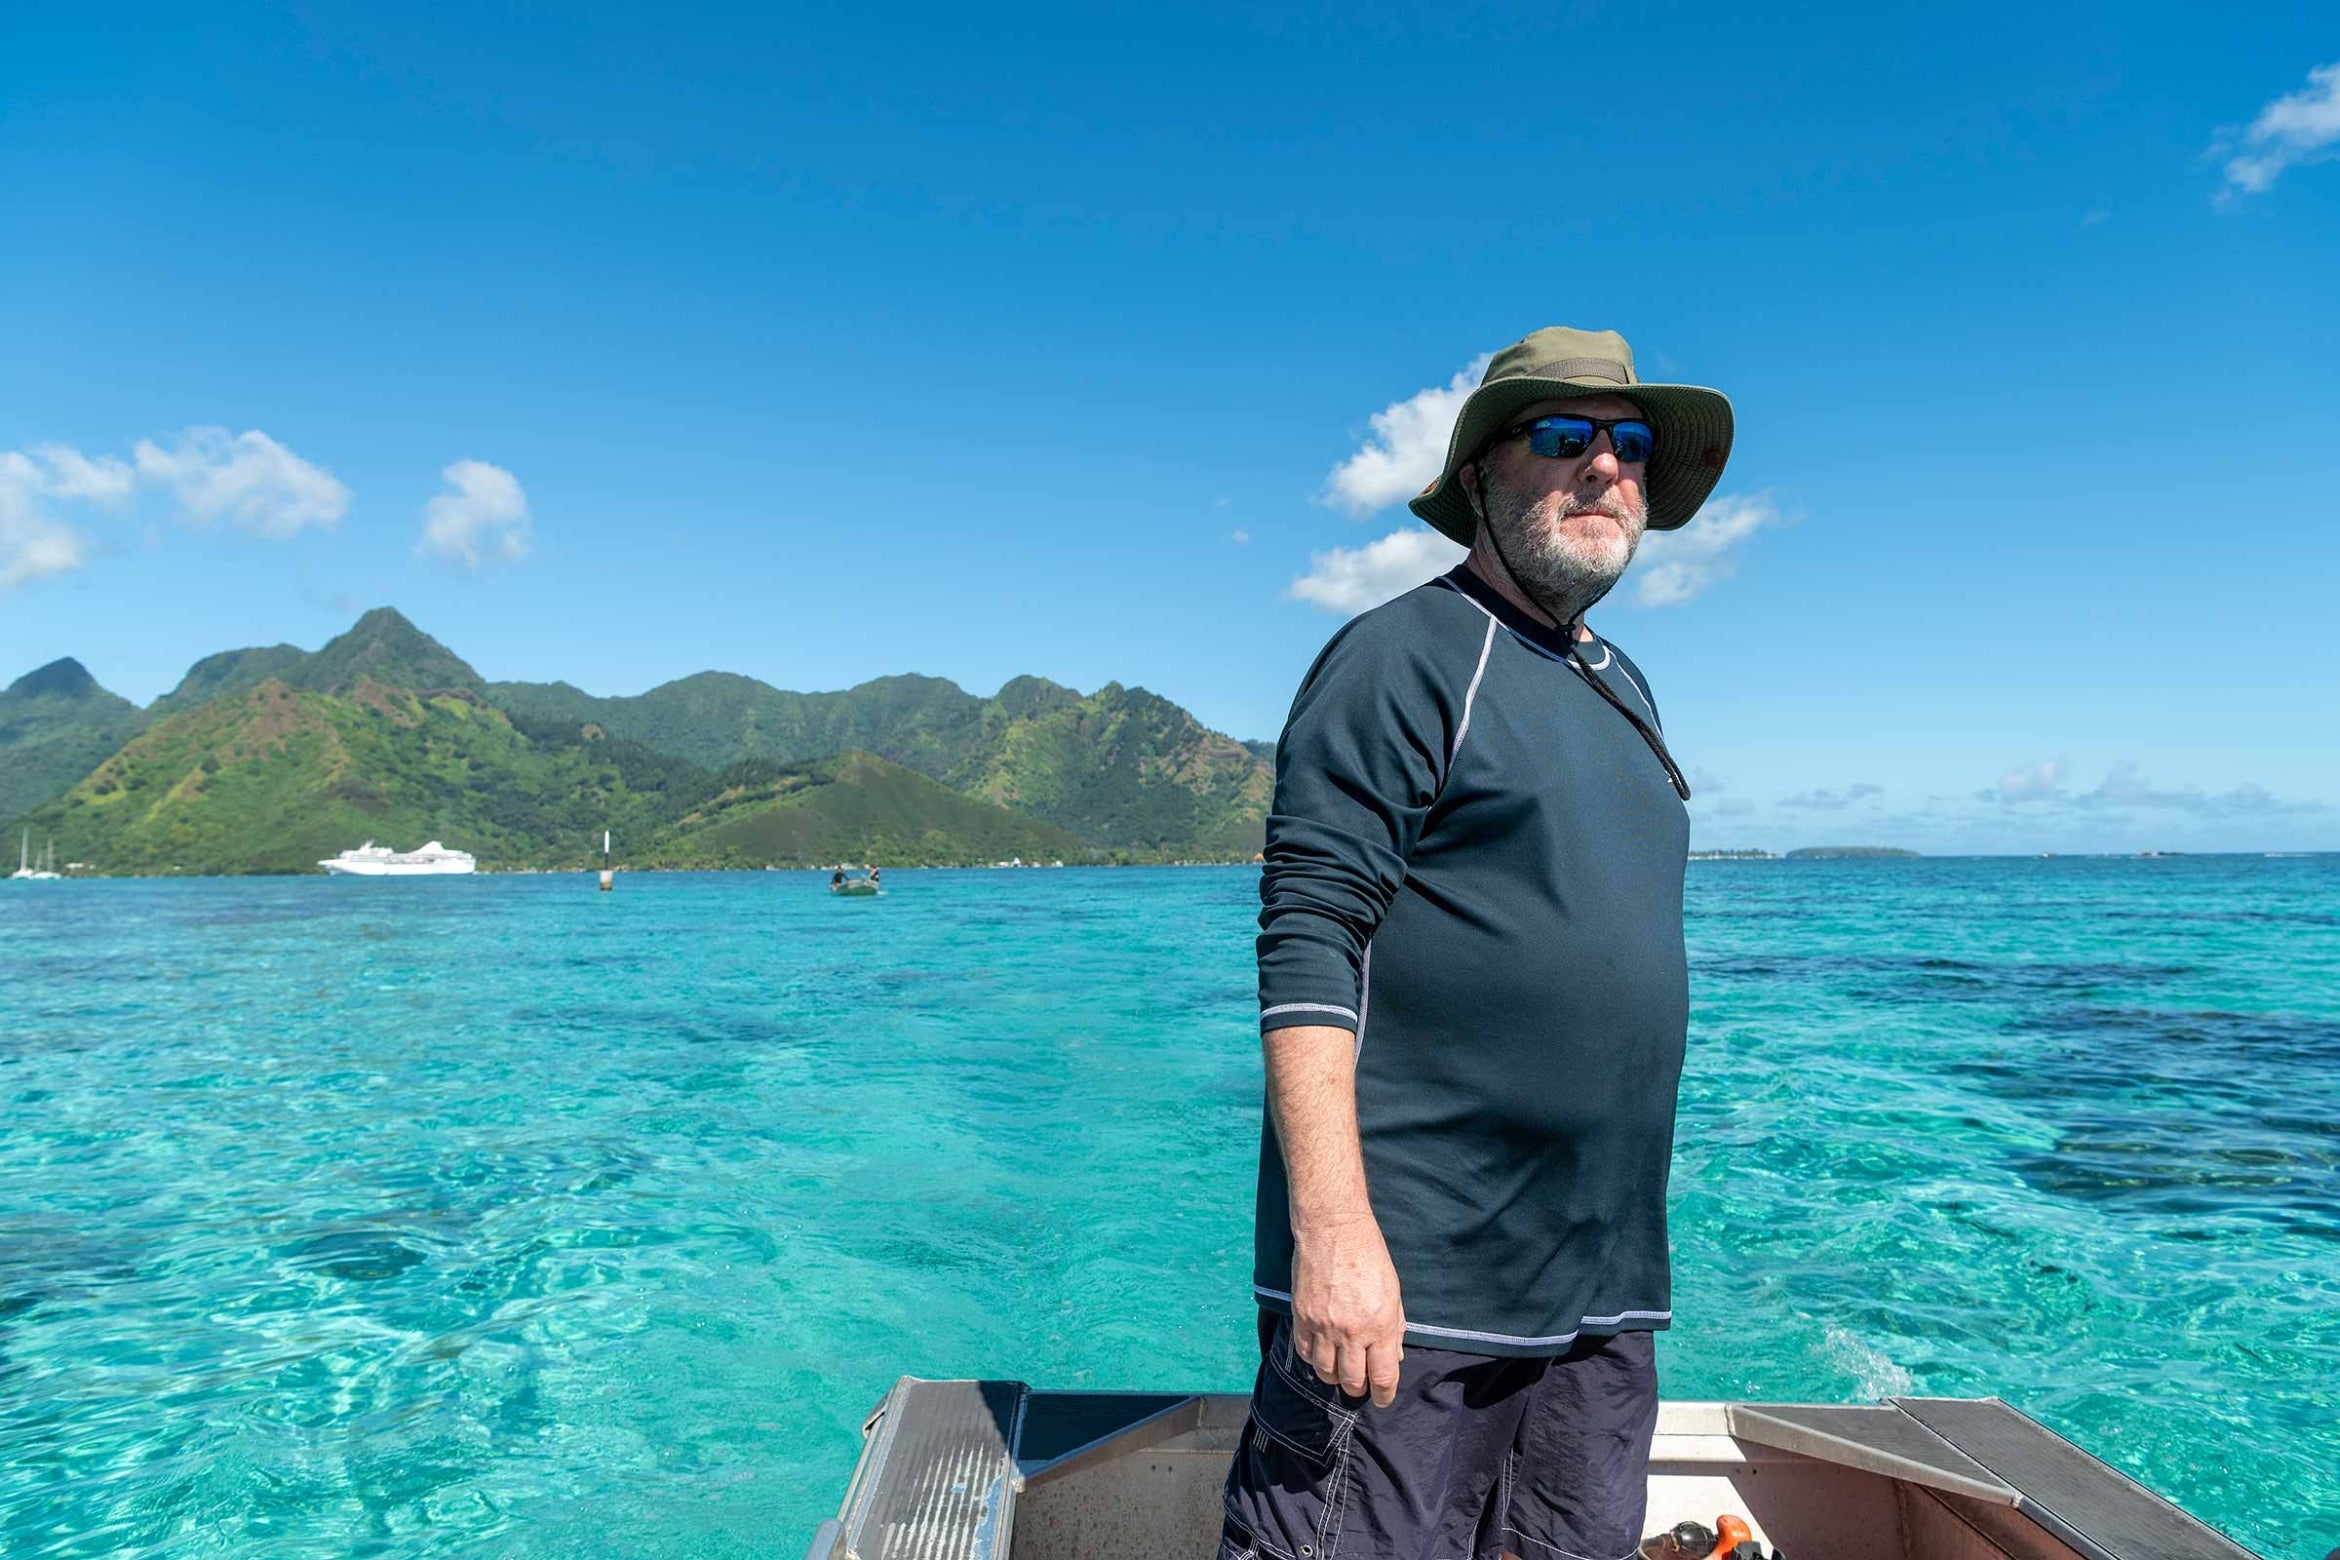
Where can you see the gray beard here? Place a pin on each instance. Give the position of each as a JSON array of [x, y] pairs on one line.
[[1562, 579]]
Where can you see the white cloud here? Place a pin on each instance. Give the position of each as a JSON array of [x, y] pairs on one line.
[[1239, 538], [483, 508], [1833, 801], [34, 547], [2300, 127], [2125, 788], [32, 544], [254, 481], [1351, 579], [73, 475], [1674, 566], [1405, 449], [2030, 782], [2125, 785], [248, 477]]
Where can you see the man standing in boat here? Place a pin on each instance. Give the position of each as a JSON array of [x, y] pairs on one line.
[[1473, 1002]]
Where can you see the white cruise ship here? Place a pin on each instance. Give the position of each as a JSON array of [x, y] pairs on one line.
[[372, 860]]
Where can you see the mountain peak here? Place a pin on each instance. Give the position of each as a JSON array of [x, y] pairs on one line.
[[385, 646], [230, 671], [383, 620], [57, 724], [1033, 696], [63, 678]]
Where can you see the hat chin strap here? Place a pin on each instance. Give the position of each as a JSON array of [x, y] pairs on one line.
[[1569, 629]]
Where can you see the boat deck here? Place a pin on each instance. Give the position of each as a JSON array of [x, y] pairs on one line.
[[994, 1470]]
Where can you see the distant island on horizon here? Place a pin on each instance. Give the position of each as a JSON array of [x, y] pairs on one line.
[[1807, 853], [1850, 853], [270, 759]]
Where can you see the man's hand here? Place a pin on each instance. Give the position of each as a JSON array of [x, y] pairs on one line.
[[1348, 1319]]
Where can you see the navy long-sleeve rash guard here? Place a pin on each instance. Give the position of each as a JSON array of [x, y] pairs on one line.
[[1474, 862]]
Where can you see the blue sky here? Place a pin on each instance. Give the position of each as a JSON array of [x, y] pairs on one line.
[[618, 344]]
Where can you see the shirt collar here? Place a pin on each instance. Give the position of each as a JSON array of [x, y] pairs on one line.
[[1466, 579]]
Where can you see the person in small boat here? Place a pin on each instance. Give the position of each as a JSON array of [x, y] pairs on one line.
[[873, 876], [1473, 1004], [837, 878]]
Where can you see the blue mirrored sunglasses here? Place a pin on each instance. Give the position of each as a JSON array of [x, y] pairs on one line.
[[1565, 438]]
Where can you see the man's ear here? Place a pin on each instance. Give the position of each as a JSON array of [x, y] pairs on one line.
[[1467, 476]]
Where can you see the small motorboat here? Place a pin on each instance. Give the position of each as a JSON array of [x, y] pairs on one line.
[[994, 1470], [862, 887]]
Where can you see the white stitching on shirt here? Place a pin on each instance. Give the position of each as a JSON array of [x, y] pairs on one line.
[[1470, 696], [1626, 672]]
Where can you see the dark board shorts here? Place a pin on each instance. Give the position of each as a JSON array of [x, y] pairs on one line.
[[1545, 1458]]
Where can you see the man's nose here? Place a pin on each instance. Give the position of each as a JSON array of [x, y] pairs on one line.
[[1604, 458]]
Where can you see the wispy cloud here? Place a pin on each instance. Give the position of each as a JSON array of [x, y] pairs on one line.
[[2124, 788], [1674, 566], [483, 510], [1711, 796], [1403, 449], [249, 478], [2299, 127], [1833, 801], [33, 544], [2029, 782], [73, 475], [1351, 579]]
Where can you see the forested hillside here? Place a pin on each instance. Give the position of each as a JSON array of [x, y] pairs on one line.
[[271, 758]]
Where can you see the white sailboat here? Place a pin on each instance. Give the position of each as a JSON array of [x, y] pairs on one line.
[[46, 872]]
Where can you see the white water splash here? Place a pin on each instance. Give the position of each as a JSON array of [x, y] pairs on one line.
[[1878, 1377]]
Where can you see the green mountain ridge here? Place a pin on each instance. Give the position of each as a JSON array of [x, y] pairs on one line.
[[270, 758], [854, 807], [56, 725], [382, 646], [274, 779], [1122, 768]]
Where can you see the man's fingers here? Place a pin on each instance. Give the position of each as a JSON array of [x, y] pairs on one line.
[[1354, 1369], [1382, 1372], [1322, 1355]]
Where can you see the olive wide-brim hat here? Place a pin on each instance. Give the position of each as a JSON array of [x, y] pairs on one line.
[[1693, 424]]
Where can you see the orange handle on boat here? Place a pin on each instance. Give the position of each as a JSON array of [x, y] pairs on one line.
[[1729, 1534]]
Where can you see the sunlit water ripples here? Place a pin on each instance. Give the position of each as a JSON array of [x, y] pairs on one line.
[[365, 1218]]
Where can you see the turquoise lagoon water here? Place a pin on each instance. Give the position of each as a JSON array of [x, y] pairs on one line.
[[500, 1216]]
